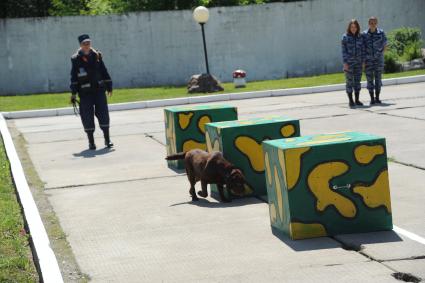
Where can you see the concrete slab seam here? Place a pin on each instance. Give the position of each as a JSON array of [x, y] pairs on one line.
[[207, 98], [43, 253], [409, 235]]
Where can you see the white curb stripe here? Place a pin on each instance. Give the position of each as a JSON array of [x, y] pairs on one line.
[[207, 98], [409, 235], [49, 268]]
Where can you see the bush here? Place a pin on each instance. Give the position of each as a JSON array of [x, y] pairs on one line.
[[404, 44], [402, 38], [391, 62], [412, 51]]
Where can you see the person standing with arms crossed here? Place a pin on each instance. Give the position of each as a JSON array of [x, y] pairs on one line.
[[90, 79], [375, 45], [353, 59]]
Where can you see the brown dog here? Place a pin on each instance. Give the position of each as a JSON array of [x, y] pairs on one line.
[[210, 168]]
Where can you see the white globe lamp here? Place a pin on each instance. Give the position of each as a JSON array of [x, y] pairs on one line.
[[201, 15]]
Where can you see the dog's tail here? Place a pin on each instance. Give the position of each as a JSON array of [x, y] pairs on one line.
[[177, 156]]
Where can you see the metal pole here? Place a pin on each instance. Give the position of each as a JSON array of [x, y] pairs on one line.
[[205, 48]]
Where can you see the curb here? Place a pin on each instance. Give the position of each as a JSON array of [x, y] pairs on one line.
[[44, 257], [207, 98]]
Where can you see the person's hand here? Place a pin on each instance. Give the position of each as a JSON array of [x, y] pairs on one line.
[[109, 93], [73, 98], [346, 67]]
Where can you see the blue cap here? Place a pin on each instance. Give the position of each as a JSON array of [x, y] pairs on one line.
[[84, 37]]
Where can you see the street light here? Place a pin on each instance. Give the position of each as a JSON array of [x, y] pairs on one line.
[[201, 16], [203, 82]]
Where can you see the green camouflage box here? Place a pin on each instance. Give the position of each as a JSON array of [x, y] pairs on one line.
[[328, 184], [240, 142], [185, 127]]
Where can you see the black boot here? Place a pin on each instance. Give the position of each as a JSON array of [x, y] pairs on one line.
[[357, 95], [108, 142], [92, 145], [377, 97], [372, 98], [351, 101]]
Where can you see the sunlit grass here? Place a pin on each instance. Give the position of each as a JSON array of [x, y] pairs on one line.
[[56, 100], [15, 255]]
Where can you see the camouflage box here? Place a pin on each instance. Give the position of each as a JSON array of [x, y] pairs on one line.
[[185, 127], [328, 184], [240, 142]]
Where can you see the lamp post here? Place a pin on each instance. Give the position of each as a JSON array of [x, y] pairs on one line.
[[201, 16], [203, 82]]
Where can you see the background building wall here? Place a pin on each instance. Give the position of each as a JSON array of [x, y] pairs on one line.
[[165, 48]]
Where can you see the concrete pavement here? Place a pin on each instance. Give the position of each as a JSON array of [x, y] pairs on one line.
[[128, 217]]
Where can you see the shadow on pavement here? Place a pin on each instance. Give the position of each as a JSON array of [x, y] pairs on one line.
[[206, 203], [346, 241], [365, 106], [369, 238], [306, 244], [87, 153], [383, 104], [368, 106]]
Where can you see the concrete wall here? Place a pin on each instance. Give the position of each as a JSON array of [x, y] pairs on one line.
[[162, 48]]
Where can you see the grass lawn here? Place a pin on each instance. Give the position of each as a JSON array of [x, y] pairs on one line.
[[55, 100], [16, 263]]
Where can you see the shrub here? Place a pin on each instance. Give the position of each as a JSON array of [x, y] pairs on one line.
[[404, 44], [391, 62], [402, 38], [412, 51]]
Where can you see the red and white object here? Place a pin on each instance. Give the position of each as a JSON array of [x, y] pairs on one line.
[[239, 78]]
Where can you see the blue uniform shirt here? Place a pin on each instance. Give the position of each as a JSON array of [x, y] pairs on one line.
[[375, 43], [352, 49]]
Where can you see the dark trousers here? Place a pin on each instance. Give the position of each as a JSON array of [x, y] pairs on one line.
[[353, 77], [374, 68], [94, 104]]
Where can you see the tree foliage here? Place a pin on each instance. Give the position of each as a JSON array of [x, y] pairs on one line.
[[404, 44], [24, 8], [402, 39], [42, 8]]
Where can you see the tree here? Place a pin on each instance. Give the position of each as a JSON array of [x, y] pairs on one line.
[[24, 8], [67, 7], [42, 8]]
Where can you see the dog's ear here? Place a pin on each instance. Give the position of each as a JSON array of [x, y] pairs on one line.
[[237, 174]]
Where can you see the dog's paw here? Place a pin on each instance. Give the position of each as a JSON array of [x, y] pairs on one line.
[[195, 198], [202, 194]]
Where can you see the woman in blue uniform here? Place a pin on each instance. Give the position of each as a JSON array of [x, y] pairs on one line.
[[353, 60], [90, 80]]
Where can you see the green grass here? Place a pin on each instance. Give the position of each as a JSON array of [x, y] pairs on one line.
[[55, 100], [16, 263]]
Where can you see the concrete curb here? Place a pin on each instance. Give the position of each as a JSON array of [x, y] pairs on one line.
[[207, 98], [45, 258]]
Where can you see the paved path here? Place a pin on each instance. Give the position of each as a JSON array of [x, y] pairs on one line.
[[128, 217]]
